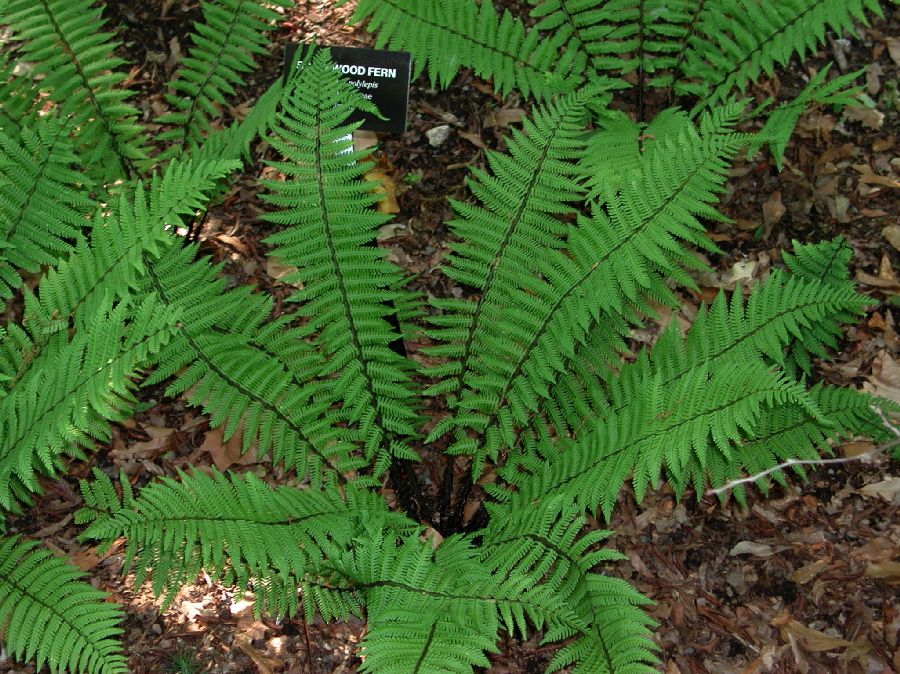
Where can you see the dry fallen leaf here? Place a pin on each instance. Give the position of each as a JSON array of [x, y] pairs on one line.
[[892, 234], [885, 279], [227, 454], [890, 571], [265, 664], [879, 549], [809, 571], [893, 45], [386, 187], [885, 378], [391, 231], [773, 210], [810, 639], [740, 273], [247, 625], [887, 489], [868, 117], [751, 548], [869, 177], [884, 144], [159, 443], [473, 138], [278, 269], [503, 117]]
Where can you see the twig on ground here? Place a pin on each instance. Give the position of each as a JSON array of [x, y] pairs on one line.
[[866, 457]]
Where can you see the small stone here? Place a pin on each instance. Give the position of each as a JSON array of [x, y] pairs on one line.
[[438, 135]]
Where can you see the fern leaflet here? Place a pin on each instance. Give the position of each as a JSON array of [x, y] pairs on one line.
[[446, 36], [233, 31], [63, 39], [47, 612], [43, 200]]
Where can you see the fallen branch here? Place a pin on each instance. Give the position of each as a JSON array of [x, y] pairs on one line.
[[866, 457]]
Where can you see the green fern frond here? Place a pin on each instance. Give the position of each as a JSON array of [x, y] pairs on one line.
[[672, 425], [775, 321], [62, 390], [615, 260], [530, 188], [619, 147], [64, 42], [68, 394], [780, 123], [446, 36], [235, 527], [346, 286], [792, 433], [50, 614], [43, 200], [233, 143], [439, 609], [826, 263], [545, 543], [224, 46], [259, 380], [427, 610], [736, 41], [17, 93], [622, 36]]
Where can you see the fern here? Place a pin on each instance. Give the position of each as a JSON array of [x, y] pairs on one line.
[[545, 544], [575, 234], [736, 41], [16, 94], [47, 612], [345, 285], [500, 245], [775, 322], [445, 37], [274, 539], [618, 258], [224, 46], [260, 379], [63, 40], [622, 36], [780, 124], [68, 394], [43, 201]]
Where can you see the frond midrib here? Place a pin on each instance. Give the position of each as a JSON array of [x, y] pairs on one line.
[[85, 82], [515, 221], [86, 636], [339, 274], [685, 42], [68, 393], [718, 354], [565, 554], [214, 367], [35, 182], [711, 411], [726, 77], [426, 646], [211, 71], [465, 37], [551, 314]]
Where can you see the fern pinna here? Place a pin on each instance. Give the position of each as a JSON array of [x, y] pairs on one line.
[[574, 235]]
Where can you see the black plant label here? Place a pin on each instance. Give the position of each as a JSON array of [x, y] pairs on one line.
[[381, 76]]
